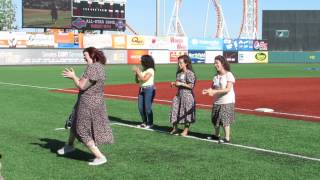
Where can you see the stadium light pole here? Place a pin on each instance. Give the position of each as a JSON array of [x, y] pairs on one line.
[[157, 17]]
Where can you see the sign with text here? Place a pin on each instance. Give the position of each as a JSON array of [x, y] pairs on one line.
[[205, 44]]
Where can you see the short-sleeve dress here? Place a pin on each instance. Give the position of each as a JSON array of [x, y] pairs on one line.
[[183, 109], [91, 121]]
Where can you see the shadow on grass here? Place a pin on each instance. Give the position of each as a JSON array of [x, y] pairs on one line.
[[163, 129], [53, 145]]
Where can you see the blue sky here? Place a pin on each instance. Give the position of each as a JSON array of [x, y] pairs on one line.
[[141, 14]]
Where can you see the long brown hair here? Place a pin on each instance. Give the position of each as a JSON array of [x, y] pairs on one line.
[[187, 61], [224, 62], [96, 55]]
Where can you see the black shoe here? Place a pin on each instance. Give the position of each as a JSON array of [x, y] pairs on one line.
[[223, 141], [213, 137]]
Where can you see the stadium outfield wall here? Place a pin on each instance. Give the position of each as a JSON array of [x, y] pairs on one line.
[[20, 48]]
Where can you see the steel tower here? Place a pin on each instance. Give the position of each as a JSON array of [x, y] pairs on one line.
[[175, 27], [249, 26]]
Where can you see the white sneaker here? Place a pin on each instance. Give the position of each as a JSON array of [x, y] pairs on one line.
[[149, 126], [98, 161], [65, 150]]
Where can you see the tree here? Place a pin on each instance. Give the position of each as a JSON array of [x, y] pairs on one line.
[[7, 15]]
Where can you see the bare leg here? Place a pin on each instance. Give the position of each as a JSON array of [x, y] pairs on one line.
[[95, 150], [227, 132], [186, 129], [174, 129]]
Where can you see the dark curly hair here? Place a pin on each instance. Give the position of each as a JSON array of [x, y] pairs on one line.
[[96, 55]]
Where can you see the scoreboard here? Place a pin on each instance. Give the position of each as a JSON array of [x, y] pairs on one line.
[[99, 14]]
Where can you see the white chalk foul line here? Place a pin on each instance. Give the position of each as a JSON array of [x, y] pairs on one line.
[[229, 144], [158, 100]]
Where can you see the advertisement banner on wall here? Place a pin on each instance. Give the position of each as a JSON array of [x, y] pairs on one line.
[[119, 41], [231, 56], [160, 42], [97, 40], [61, 37], [260, 45], [175, 54], [177, 43], [210, 55], [253, 57], [4, 39], [116, 56], [18, 40], [135, 55], [197, 56], [40, 40], [138, 42], [230, 45], [205, 44], [160, 56], [245, 44], [41, 56], [237, 45]]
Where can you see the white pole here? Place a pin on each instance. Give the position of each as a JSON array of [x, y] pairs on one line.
[[157, 18], [206, 22]]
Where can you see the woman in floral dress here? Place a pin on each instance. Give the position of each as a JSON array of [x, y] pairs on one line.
[[90, 123], [183, 109]]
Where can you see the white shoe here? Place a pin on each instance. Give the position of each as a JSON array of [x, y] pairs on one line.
[[65, 150], [149, 126], [98, 161]]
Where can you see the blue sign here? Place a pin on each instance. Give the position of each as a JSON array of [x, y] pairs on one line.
[[197, 56], [238, 45], [205, 44], [68, 45]]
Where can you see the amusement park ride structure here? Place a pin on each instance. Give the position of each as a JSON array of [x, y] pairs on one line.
[[249, 26]]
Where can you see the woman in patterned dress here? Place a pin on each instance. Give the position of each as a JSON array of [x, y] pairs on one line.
[[183, 109], [223, 107], [90, 124]]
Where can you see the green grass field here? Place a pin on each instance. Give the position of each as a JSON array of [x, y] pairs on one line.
[[29, 116]]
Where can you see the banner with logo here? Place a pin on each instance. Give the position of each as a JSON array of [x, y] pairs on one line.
[[41, 56], [138, 42], [134, 56], [231, 56], [210, 56], [119, 41], [175, 54], [160, 42], [98, 23], [160, 56], [97, 40], [40, 40], [205, 44], [177, 43], [260, 45], [237, 45], [197, 56], [253, 57], [4, 39], [116, 56]]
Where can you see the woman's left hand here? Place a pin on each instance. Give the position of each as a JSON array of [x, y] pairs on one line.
[[69, 73]]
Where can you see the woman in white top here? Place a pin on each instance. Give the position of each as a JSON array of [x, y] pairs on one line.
[[146, 91], [223, 107]]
